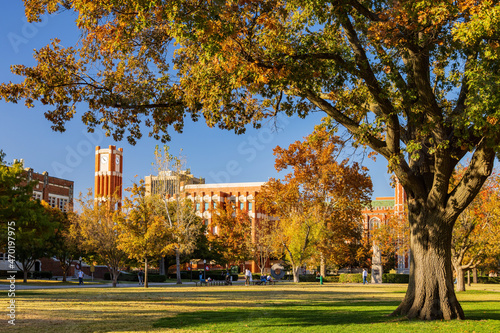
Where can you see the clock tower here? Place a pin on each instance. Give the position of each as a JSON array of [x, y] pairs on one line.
[[108, 173]]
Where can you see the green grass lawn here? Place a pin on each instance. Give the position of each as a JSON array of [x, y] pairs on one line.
[[305, 307]]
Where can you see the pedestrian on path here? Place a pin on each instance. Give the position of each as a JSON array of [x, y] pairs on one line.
[[248, 276], [80, 277], [140, 276], [365, 275]]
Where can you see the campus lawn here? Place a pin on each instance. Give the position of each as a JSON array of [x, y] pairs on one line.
[[286, 307]]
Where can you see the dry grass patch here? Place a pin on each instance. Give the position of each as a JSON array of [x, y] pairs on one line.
[[285, 307]]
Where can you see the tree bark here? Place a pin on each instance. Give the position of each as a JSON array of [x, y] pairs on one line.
[[115, 274], [295, 271], [322, 266], [474, 275], [146, 283], [178, 265], [430, 294], [460, 278]]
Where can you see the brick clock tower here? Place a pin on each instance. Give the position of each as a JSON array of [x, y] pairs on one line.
[[108, 173]]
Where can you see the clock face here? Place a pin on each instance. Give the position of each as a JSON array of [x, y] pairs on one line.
[[104, 162], [117, 163]]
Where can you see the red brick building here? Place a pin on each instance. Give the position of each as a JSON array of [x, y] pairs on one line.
[[384, 208], [58, 193], [208, 196]]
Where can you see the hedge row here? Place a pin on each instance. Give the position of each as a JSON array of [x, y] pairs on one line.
[[395, 278], [214, 275], [31, 275], [487, 279], [133, 277]]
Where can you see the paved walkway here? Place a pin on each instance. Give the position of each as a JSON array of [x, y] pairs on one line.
[[22, 286]]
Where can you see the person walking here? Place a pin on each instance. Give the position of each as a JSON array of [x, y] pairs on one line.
[[365, 275], [80, 277], [248, 275], [140, 276]]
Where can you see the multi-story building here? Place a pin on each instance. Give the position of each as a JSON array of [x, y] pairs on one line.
[[170, 182], [206, 197], [58, 193], [385, 208]]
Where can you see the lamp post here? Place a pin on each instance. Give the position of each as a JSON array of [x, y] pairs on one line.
[[204, 269]]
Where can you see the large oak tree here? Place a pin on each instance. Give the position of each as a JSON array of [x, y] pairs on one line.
[[416, 81]]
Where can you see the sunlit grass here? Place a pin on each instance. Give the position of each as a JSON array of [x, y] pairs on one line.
[[280, 308]]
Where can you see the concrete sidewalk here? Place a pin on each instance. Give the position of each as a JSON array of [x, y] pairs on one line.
[[22, 286]]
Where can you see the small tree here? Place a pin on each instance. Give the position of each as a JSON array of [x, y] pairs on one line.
[[23, 217], [392, 238], [142, 228], [476, 235], [232, 233], [184, 226], [63, 244], [96, 230], [264, 246], [319, 203]]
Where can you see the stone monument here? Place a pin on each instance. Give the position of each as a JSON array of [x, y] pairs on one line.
[[376, 265]]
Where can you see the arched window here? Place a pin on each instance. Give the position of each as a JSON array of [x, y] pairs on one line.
[[374, 223]]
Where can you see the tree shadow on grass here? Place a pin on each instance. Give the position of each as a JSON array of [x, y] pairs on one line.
[[288, 315]]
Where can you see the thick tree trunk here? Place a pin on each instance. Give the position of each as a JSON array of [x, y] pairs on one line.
[[178, 266], [474, 275], [460, 278], [430, 294]]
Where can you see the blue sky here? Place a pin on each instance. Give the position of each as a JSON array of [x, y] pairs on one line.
[[216, 155]]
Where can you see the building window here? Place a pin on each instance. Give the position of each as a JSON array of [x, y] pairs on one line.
[[216, 230], [63, 204], [215, 205], [37, 195], [198, 207], [52, 202], [242, 205], [206, 205], [249, 206], [374, 223], [205, 222]]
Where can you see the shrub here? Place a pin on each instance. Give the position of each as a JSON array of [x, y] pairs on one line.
[[395, 278], [122, 277], [214, 275], [42, 275], [184, 275], [308, 278], [331, 278], [18, 274], [156, 278], [353, 278], [488, 279]]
